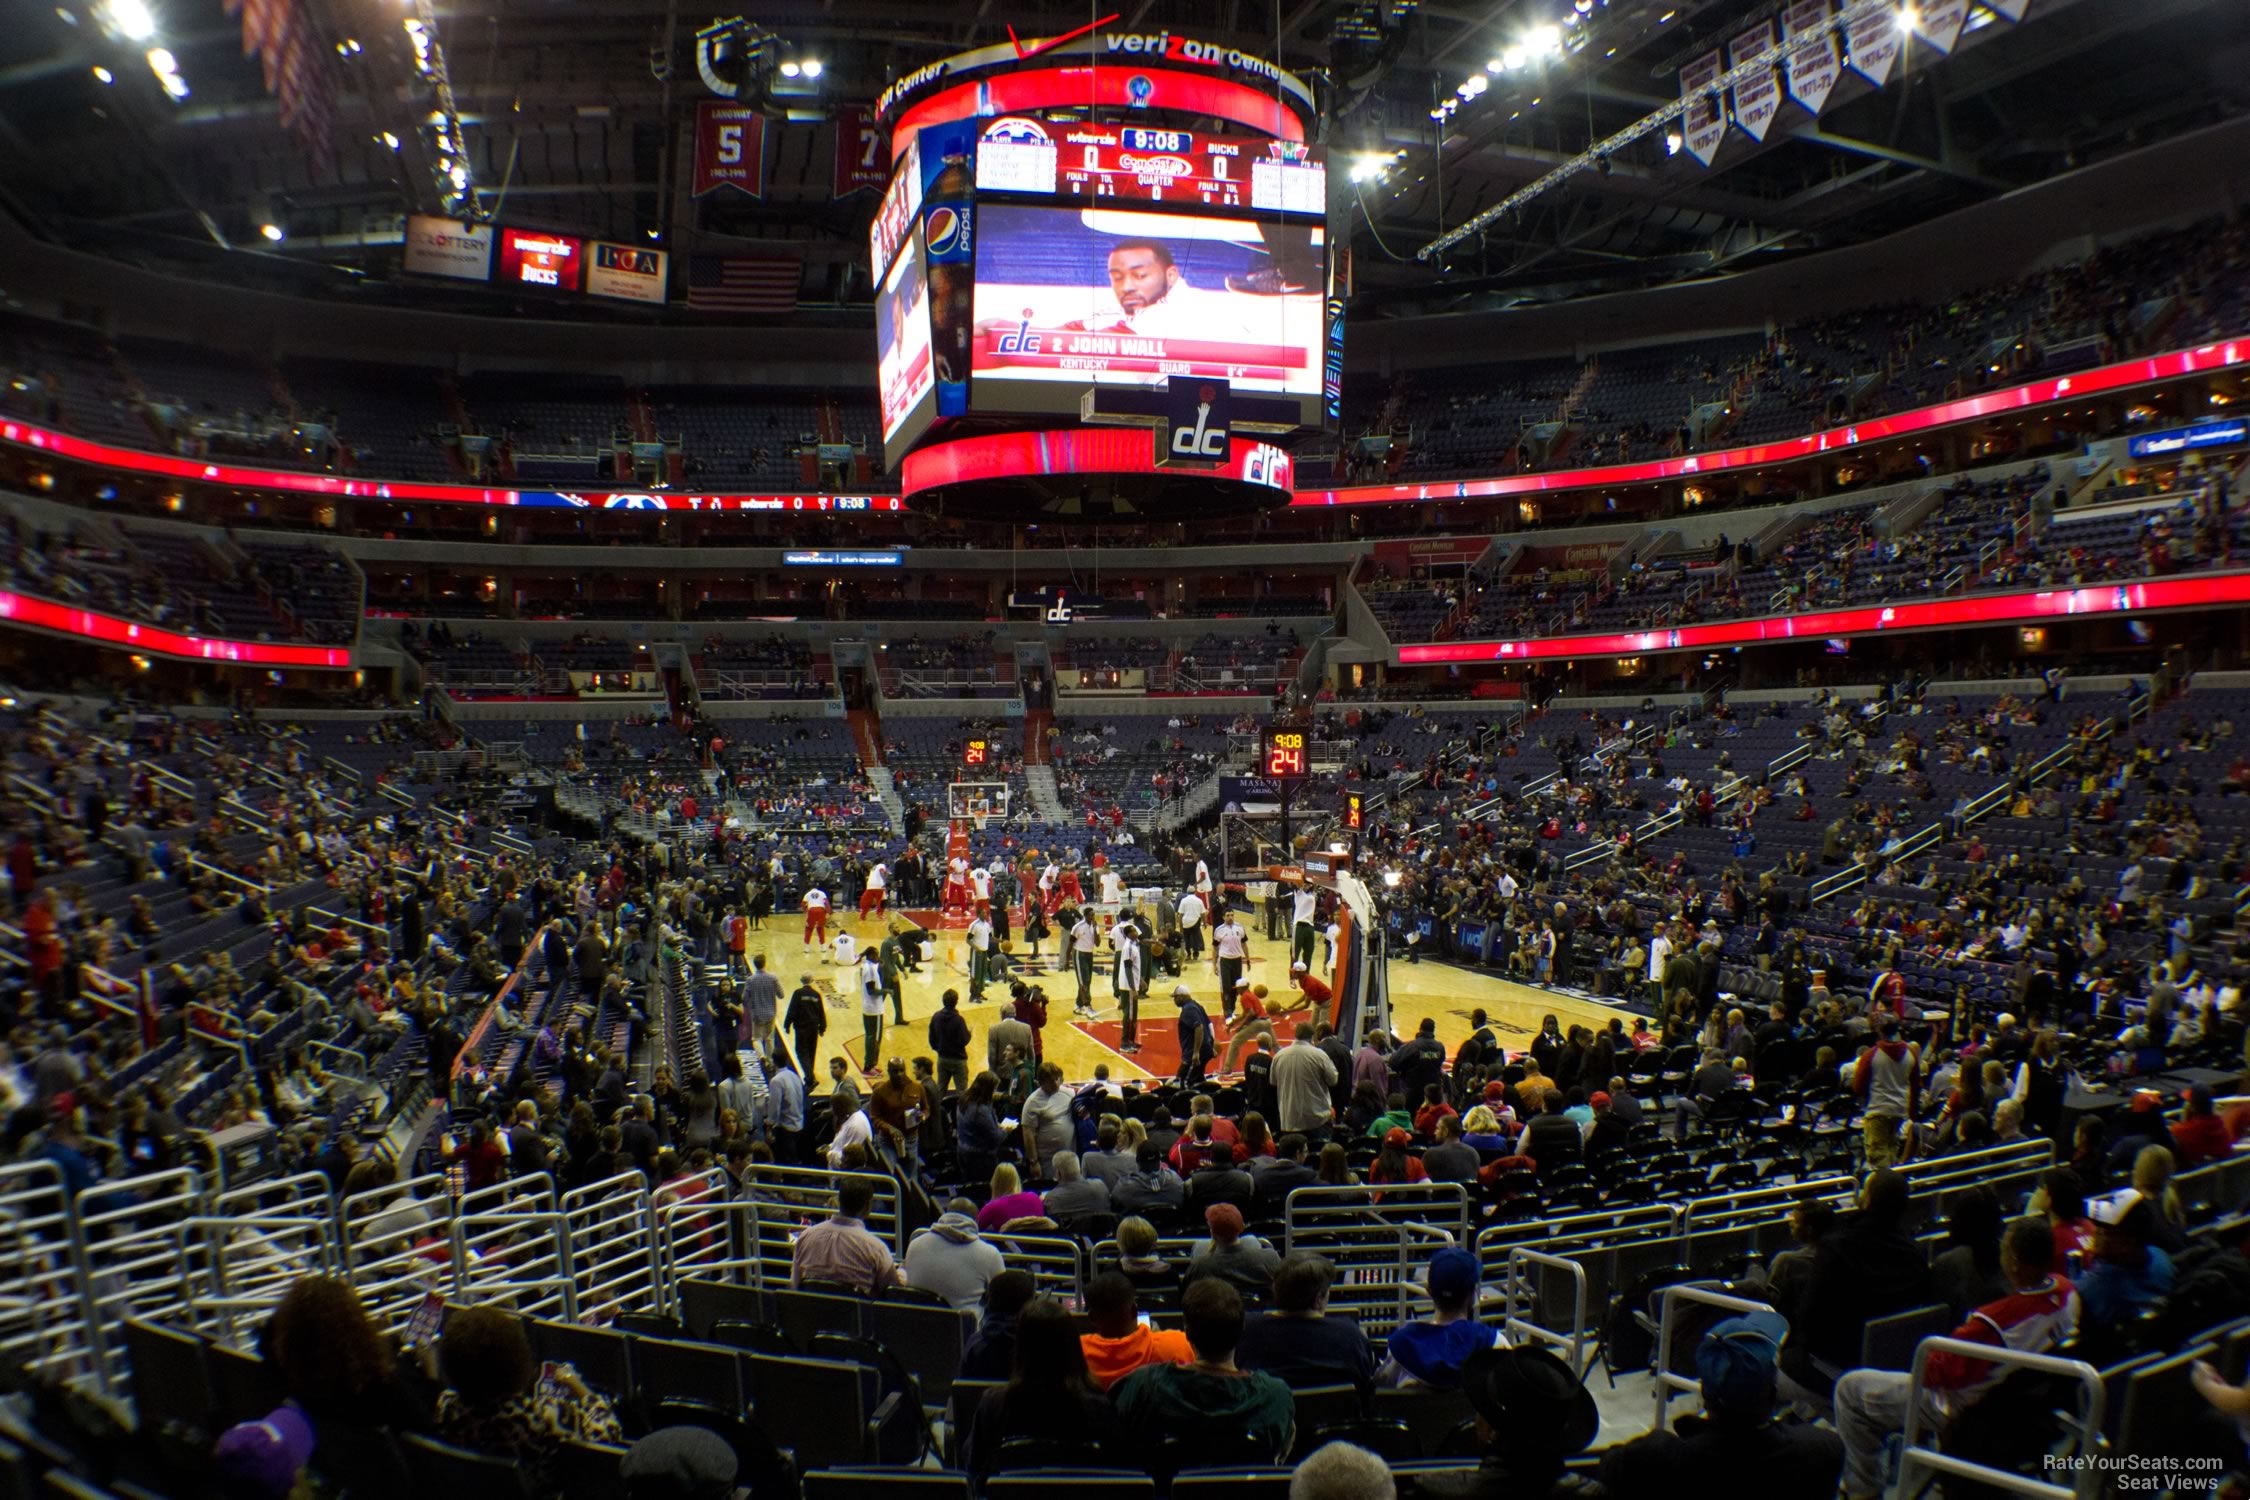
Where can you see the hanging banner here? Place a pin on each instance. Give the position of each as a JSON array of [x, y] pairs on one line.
[[1815, 61], [863, 150], [1873, 41], [2011, 10], [1942, 23], [1703, 125], [730, 148], [1757, 99]]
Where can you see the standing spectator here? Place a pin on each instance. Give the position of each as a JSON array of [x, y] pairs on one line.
[[761, 1006], [808, 1020], [1887, 1076], [1198, 1045], [1047, 1124], [949, 1039]]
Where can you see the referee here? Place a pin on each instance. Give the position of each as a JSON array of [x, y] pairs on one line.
[[1230, 943]]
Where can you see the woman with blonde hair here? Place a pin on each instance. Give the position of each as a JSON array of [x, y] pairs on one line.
[[2152, 1179], [1009, 1200]]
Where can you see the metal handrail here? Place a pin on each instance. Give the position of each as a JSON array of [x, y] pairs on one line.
[[198, 862], [2087, 1476], [1520, 1329]]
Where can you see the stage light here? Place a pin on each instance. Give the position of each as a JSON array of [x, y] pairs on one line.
[[132, 19], [105, 75], [790, 70], [1671, 143], [1514, 58], [388, 139], [1909, 18], [813, 67], [1543, 41], [272, 232]]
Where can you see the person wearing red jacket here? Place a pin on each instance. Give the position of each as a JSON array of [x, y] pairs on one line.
[[2200, 1135], [2037, 1316]]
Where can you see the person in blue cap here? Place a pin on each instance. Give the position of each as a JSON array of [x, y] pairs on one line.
[[1431, 1351], [1736, 1436]]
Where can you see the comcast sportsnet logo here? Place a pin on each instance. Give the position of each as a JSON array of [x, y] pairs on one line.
[[945, 231]]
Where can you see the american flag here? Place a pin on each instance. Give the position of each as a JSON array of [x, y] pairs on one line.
[[743, 283]]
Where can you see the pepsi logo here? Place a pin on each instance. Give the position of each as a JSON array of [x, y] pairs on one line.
[[942, 230]]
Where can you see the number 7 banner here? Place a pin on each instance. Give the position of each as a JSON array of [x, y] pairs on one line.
[[730, 148], [863, 150]]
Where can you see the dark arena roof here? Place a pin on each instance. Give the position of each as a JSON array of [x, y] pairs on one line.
[[778, 734]]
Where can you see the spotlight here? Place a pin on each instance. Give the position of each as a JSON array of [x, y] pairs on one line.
[[1909, 18], [790, 70], [105, 75], [1543, 41], [132, 19], [812, 67], [272, 232], [1671, 143], [388, 139]]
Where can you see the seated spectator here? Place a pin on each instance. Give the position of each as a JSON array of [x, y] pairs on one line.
[[1298, 1342], [1449, 1160], [1395, 1164], [951, 1258], [1106, 1163], [1867, 1268], [1212, 1396], [840, 1248], [1968, 1273], [1552, 1138], [2126, 1274], [2200, 1135], [1431, 1351], [1074, 1195], [1481, 1128], [1608, 1131], [1150, 1184], [2038, 1315], [1218, 1180], [1273, 1178], [1244, 1261], [1736, 1435], [990, 1353], [344, 1372], [1138, 1261], [2061, 1199], [1532, 1416], [1049, 1397], [2152, 1179], [1340, 1471], [1009, 1201], [496, 1401], [1122, 1341]]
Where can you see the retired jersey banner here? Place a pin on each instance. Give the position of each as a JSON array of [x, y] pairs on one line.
[[1815, 61], [1757, 99], [1942, 23], [1703, 124], [1873, 42], [863, 150], [730, 148]]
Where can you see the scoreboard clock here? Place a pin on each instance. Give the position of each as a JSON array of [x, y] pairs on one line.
[[975, 754], [1285, 755], [1354, 811]]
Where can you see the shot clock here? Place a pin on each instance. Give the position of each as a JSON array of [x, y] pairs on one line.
[[1285, 755], [975, 754]]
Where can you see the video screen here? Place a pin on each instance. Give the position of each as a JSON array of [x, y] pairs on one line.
[[1071, 296], [532, 259], [904, 373]]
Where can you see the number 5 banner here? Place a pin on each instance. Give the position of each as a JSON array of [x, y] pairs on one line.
[[730, 148]]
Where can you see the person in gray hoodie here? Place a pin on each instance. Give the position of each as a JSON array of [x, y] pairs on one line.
[[951, 1258]]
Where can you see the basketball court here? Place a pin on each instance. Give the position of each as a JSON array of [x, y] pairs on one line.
[[1438, 991]]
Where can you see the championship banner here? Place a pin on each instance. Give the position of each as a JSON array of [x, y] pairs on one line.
[[1815, 61], [1942, 23], [730, 148], [1873, 41], [1757, 99], [1703, 124], [863, 150]]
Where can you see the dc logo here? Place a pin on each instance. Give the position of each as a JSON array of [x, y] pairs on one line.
[[1139, 89], [633, 502], [943, 230]]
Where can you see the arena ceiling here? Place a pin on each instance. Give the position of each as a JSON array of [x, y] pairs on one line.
[[564, 105]]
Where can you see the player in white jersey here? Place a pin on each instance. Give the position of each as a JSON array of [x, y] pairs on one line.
[[1192, 912], [980, 889], [1305, 917], [816, 916], [877, 891], [1113, 888], [956, 883], [1084, 936]]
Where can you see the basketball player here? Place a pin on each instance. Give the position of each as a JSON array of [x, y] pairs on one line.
[[1084, 935], [1231, 945], [871, 899], [816, 917]]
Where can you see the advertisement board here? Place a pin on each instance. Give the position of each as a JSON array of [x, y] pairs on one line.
[[1067, 297], [535, 259], [448, 247], [632, 273], [905, 378]]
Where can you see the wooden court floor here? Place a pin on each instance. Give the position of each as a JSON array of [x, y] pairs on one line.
[[1437, 991]]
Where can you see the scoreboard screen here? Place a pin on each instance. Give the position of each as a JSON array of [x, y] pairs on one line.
[[1129, 163], [547, 260], [975, 754], [1355, 812], [1285, 755]]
